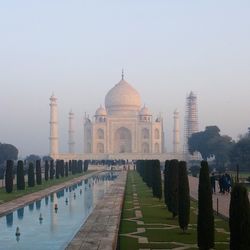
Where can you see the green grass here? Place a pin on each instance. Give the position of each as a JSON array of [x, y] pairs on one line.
[[5, 197], [155, 212]]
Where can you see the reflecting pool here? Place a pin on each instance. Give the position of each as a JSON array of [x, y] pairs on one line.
[[42, 226]]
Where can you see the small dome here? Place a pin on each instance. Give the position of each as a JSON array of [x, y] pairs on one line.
[[145, 111], [122, 97], [101, 111]]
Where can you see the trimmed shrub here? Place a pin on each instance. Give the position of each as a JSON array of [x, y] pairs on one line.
[[166, 182], [31, 175], [86, 165], [38, 172], [239, 218], [156, 179], [9, 176], [184, 197], [51, 170], [46, 171], [20, 176], [66, 169], [173, 186], [205, 223]]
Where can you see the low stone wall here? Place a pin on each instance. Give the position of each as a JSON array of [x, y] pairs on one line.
[[11, 206], [100, 231]]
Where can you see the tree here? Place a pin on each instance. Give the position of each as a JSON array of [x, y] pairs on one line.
[[38, 172], [211, 144], [57, 169], [166, 182], [173, 180], [86, 165], [156, 174], [20, 176], [46, 170], [239, 218], [7, 152], [9, 176], [31, 175], [240, 152], [205, 224], [66, 169], [33, 158], [51, 170], [184, 197]]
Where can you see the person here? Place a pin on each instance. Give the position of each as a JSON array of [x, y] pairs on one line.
[[212, 181]]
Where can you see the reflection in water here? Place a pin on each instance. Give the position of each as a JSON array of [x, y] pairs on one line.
[[20, 213], [46, 200], [38, 205], [9, 220], [31, 206], [53, 230]]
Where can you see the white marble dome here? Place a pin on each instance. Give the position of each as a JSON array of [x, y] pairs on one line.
[[101, 111], [122, 98]]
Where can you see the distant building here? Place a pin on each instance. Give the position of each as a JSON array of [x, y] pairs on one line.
[[123, 129]]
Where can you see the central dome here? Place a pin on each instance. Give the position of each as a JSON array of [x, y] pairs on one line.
[[122, 98]]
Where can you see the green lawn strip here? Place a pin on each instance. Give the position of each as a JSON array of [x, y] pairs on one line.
[[155, 212], [5, 197]]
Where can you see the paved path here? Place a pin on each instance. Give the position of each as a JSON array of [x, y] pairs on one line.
[[29, 198], [223, 199], [100, 231]]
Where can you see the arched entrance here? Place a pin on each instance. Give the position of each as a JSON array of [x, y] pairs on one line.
[[123, 141]]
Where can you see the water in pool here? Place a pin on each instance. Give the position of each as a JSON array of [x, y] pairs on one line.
[[44, 227]]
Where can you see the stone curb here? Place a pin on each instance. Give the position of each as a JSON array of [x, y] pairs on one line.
[[100, 231]]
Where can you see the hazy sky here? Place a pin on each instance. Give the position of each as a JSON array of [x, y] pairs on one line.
[[77, 49]]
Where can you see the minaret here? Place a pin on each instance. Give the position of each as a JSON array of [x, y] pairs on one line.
[[53, 127], [71, 141], [176, 133]]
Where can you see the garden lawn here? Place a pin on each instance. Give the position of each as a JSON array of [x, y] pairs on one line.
[[156, 229]]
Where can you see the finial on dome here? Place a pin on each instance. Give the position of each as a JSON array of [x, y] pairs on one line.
[[122, 74]]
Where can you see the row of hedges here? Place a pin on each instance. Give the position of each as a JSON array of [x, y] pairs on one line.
[[52, 170]]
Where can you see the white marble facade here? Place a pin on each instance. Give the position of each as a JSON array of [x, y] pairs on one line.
[[123, 126]]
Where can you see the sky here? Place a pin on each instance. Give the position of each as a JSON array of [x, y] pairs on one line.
[[77, 49]]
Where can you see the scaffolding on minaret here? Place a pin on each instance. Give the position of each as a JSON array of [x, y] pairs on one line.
[[191, 123]]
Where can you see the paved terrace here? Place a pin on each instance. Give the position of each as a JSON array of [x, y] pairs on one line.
[[29, 198], [100, 231], [223, 199]]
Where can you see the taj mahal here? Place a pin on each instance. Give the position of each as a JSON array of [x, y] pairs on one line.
[[122, 129]]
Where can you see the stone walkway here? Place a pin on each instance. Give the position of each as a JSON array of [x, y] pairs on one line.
[[29, 198], [223, 199], [100, 231]]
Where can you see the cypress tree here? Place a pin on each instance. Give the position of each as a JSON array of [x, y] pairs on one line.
[[166, 182], [20, 176], [51, 170], [70, 166], [66, 169], [157, 179], [205, 223], [46, 171], [239, 218], [9, 176], [86, 165], [173, 187], [57, 169], [31, 175], [184, 197], [38, 172], [62, 168]]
